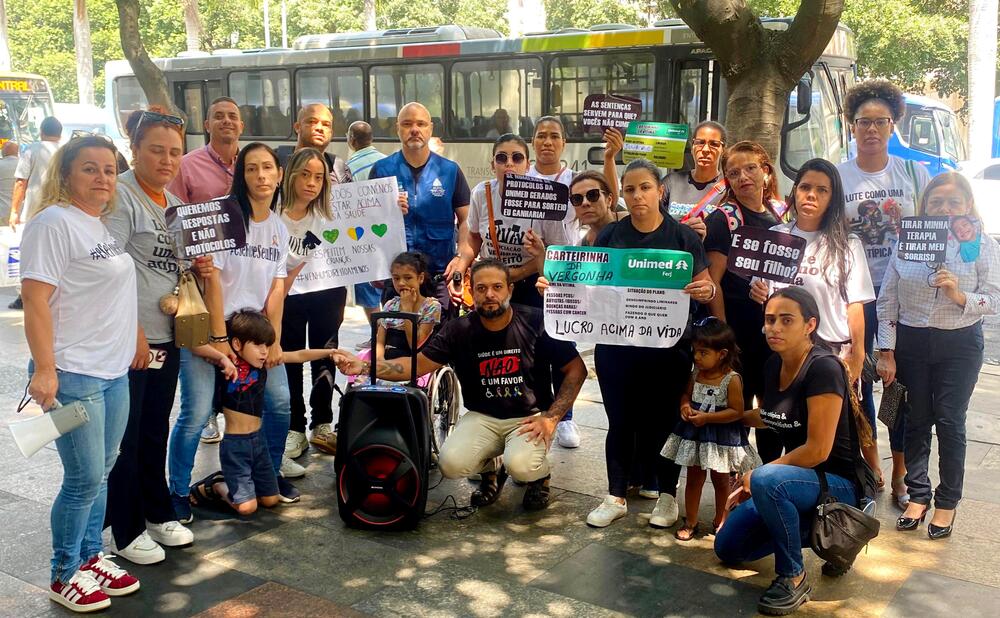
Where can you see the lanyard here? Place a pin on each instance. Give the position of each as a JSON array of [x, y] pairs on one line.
[[218, 161], [716, 190]]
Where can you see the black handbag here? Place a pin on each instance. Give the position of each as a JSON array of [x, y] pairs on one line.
[[839, 531], [893, 399]]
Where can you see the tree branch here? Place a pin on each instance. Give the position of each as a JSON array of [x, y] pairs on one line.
[[728, 27], [807, 36], [150, 77]]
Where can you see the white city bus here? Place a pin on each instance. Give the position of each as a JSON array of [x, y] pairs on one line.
[[463, 75], [25, 100]]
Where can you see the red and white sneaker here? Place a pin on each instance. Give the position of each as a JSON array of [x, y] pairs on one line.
[[80, 594], [113, 580]]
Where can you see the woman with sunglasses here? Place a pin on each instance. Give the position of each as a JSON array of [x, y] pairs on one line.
[[879, 190], [751, 199], [693, 195], [79, 290], [931, 335], [140, 512]]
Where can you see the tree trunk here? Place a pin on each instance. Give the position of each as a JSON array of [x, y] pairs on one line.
[[982, 73], [4, 45], [150, 77], [84, 53], [761, 66], [192, 25], [370, 15]]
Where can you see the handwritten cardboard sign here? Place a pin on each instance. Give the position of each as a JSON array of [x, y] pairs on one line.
[[923, 239], [206, 227], [660, 142], [767, 254], [535, 199], [609, 111], [617, 296]]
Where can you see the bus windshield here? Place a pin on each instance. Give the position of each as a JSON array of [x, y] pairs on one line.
[[21, 116]]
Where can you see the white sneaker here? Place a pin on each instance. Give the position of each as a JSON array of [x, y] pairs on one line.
[[290, 469], [609, 511], [296, 443], [142, 550], [170, 533], [664, 513], [649, 494], [567, 434]]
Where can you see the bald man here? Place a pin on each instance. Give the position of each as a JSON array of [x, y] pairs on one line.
[[314, 128], [434, 198], [7, 166]]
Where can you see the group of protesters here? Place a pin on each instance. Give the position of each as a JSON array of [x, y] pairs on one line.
[[100, 269]]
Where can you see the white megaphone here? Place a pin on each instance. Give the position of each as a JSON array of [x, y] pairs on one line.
[[33, 433]]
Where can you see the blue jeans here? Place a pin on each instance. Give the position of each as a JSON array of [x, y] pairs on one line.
[[88, 454], [197, 391], [778, 518]]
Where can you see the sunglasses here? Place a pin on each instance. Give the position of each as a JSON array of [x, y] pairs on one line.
[[78, 134], [501, 158], [591, 196], [705, 321], [148, 116]]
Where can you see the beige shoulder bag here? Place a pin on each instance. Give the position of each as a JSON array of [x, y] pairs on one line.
[[191, 323]]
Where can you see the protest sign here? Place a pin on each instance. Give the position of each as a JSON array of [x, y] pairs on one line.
[[617, 296], [206, 227], [923, 239], [609, 111], [767, 254], [660, 142], [536, 199], [359, 242]]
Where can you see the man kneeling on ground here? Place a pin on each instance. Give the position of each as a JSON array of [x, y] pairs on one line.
[[501, 355]]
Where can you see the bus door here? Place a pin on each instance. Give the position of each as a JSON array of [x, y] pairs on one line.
[[695, 96], [193, 98]]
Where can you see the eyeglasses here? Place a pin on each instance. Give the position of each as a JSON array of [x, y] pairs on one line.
[[501, 158], [866, 123], [750, 170], [714, 144], [148, 116], [591, 196]]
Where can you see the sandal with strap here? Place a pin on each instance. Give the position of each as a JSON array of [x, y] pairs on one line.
[[489, 488], [536, 497], [686, 532], [203, 492]]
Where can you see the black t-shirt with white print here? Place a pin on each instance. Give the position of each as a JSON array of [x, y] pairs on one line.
[[504, 374]]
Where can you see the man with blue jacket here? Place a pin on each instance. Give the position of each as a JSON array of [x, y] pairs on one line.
[[434, 195]]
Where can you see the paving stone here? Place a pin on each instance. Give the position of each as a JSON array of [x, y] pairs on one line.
[[26, 543], [931, 594], [19, 598], [38, 482]]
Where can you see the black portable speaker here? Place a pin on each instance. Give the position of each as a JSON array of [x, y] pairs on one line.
[[383, 449]]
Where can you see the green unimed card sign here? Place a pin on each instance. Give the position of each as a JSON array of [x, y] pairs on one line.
[[662, 143], [617, 296]]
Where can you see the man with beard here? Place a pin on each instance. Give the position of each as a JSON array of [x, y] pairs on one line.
[[434, 194], [207, 173], [314, 128], [502, 356]]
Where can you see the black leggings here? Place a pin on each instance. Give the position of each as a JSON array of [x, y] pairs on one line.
[[137, 487], [323, 313], [641, 389]]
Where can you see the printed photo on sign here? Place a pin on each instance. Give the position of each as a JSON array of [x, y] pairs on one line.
[[609, 111], [359, 242], [536, 199], [206, 227], [660, 142], [924, 239], [617, 296], [767, 254]]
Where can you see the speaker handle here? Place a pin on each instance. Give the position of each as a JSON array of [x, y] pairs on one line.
[[413, 318]]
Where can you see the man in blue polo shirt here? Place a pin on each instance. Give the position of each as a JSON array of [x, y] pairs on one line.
[[434, 196]]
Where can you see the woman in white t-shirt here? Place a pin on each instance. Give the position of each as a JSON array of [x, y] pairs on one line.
[[305, 211], [249, 277], [80, 320], [832, 269]]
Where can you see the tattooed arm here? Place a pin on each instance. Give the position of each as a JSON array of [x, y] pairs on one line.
[[543, 426], [395, 370]]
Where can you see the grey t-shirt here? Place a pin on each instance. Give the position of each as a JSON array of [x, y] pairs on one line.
[[138, 224], [31, 166], [7, 167], [683, 194]]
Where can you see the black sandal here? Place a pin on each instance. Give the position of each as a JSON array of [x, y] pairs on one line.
[[536, 497], [489, 488], [691, 532], [203, 492]]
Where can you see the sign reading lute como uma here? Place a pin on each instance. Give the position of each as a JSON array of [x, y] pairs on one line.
[[617, 296]]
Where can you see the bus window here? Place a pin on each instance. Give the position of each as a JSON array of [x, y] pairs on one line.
[[493, 97], [691, 95], [340, 89], [128, 98], [954, 147], [575, 77], [265, 102], [392, 87], [923, 137], [820, 136], [193, 106]]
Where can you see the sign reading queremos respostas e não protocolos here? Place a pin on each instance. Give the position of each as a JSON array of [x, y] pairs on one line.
[[617, 296], [206, 227], [357, 245]]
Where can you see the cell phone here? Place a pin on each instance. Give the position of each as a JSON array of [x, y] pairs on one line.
[[456, 277]]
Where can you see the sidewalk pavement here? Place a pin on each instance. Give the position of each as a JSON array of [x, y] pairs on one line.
[[300, 560]]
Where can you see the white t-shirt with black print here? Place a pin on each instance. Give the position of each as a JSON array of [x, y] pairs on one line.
[[247, 273]]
